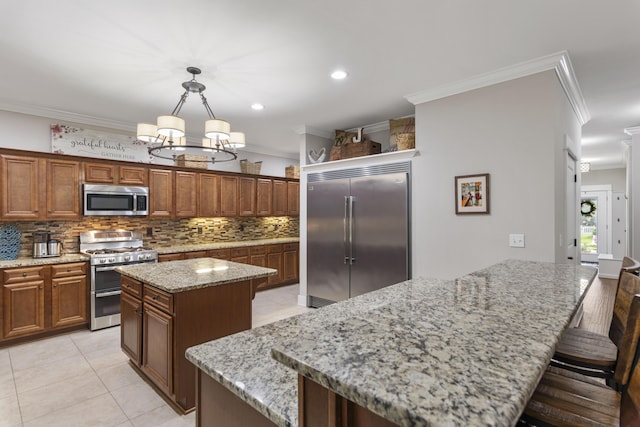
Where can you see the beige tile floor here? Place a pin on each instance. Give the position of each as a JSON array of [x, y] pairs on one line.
[[84, 379]]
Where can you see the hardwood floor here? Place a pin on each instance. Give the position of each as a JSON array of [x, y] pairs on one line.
[[598, 306]]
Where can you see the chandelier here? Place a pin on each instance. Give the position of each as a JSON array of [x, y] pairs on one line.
[[219, 142]]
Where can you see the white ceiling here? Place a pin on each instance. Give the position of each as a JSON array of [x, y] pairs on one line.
[[123, 60]]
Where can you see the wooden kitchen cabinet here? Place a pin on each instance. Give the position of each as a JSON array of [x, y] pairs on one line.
[[246, 196], [258, 257], [228, 196], [186, 194], [63, 189], [43, 299], [274, 260], [279, 204], [264, 190], [293, 198], [69, 294], [34, 188], [171, 257], [20, 185], [23, 296], [208, 195], [290, 263], [240, 255], [157, 346], [131, 319], [157, 339], [161, 193], [224, 253], [196, 254], [105, 173]]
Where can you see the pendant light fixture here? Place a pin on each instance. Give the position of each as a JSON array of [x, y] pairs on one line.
[[168, 133]]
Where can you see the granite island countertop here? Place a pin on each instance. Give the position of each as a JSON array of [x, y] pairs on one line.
[[223, 245], [423, 352], [185, 275]]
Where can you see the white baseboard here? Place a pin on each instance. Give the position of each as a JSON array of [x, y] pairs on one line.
[[302, 300], [607, 276]]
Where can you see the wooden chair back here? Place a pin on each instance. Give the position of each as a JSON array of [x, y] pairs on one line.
[[630, 403], [628, 347], [628, 285]]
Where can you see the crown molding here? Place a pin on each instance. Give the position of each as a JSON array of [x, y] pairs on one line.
[[372, 128], [52, 113], [632, 131], [309, 130], [559, 62]]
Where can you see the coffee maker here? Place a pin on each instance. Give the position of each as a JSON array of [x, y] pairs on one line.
[[44, 246], [40, 239]]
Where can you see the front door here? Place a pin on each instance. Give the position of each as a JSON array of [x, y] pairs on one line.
[[594, 230]]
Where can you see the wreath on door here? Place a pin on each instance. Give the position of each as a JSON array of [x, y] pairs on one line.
[[587, 208]]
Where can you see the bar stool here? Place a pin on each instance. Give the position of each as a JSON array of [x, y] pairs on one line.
[[593, 354], [571, 399]]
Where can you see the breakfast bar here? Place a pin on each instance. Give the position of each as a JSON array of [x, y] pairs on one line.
[[468, 351]]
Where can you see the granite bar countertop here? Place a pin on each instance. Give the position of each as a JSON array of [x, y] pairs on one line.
[[223, 245], [423, 352], [31, 262], [186, 275]]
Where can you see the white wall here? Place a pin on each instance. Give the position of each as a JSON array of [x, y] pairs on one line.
[[32, 133], [617, 178], [515, 131]]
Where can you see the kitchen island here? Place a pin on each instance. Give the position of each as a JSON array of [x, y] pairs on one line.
[[468, 351], [168, 307]]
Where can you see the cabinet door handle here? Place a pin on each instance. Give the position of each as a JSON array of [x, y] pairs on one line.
[[49, 211], [155, 297], [55, 286], [68, 270], [40, 287], [24, 274]]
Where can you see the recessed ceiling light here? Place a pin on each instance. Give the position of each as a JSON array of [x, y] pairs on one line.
[[257, 106], [339, 75]]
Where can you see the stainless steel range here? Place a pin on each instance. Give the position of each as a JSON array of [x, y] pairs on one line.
[[109, 249]]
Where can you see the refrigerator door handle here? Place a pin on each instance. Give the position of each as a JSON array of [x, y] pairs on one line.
[[352, 259], [345, 240]]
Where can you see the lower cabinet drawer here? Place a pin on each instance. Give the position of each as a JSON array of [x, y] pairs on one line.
[[67, 270], [27, 274], [160, 299]]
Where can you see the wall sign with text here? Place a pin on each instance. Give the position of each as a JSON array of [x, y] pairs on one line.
[[103, 145]]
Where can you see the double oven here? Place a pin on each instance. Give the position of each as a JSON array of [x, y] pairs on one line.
[[108, 250]]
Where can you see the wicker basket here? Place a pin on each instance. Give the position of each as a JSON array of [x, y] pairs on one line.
[[292, 171], [192, 161], [250, 167], [406, 141]]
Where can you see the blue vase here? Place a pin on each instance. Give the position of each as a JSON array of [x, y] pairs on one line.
[[10, 241]]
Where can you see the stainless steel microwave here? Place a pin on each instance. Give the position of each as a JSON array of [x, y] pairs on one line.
[[112, 200]]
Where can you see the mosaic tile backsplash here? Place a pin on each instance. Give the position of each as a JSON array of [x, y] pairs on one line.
[[162, 232]]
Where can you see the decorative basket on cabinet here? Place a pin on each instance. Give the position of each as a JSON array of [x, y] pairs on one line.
[[250, 167]]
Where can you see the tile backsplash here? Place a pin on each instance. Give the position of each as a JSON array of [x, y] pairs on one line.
[[163, 232]]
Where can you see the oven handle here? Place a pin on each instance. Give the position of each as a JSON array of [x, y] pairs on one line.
[[108, 294], [100, 269]]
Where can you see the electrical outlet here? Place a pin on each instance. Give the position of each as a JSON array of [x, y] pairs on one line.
[[516, 240], [199, 230], [149, 232]]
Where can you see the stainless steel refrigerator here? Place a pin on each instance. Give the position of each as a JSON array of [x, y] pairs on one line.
[[357, 231]]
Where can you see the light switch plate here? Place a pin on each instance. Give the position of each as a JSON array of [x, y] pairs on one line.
[[516, 240]]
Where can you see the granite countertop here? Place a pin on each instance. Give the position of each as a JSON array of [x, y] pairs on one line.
[[222, 245], [423, 352], [31, 262], [186, 275]]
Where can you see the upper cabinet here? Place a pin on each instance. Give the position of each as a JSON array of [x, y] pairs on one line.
[[279, 204], [247, 196], [186, 194], [35, 188], [49, 187], [293, 198], [63, 189], [208, 195], [161, 193], [103, 173], [263, 197]]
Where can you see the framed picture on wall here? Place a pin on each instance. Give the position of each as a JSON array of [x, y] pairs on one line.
[[472, 194]]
